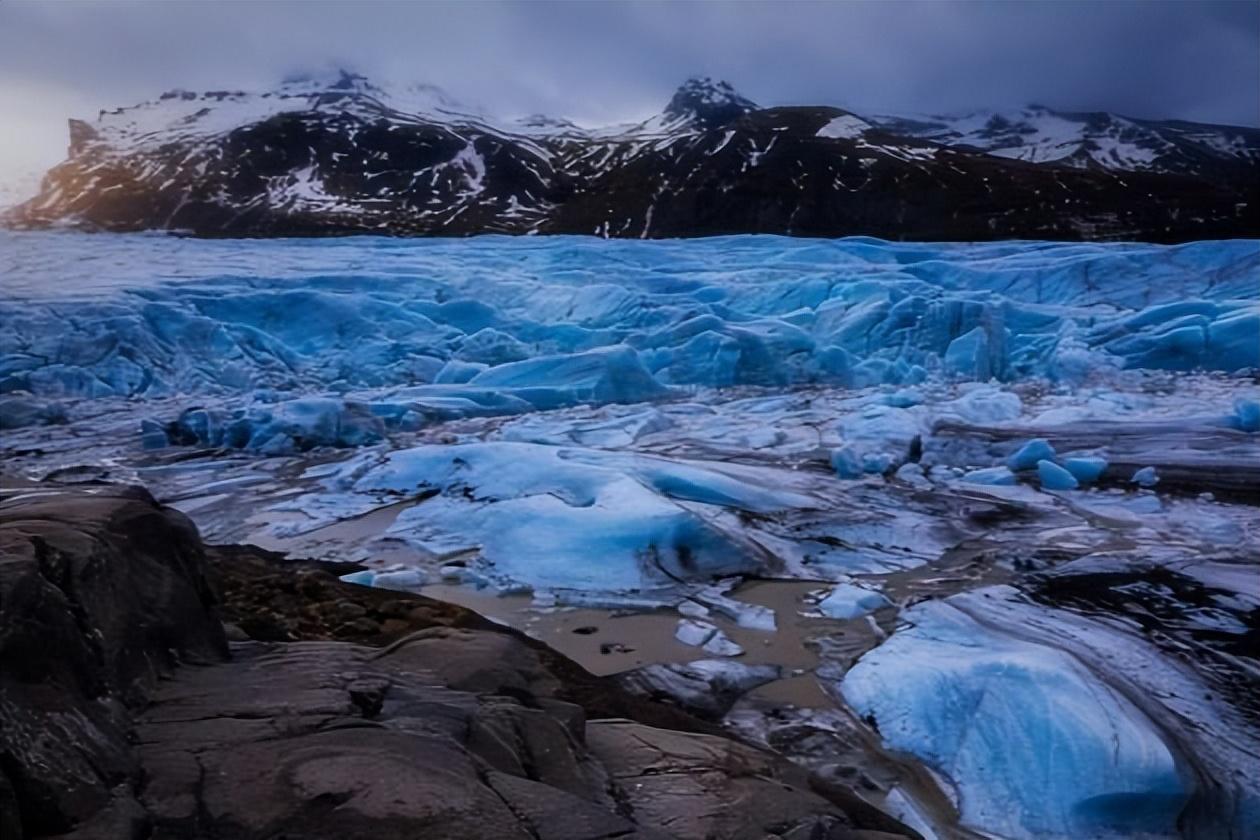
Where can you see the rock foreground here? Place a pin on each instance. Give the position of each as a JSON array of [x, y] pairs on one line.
[[126, 713]]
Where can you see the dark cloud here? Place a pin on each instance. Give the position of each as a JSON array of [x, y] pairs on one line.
[[607, 61]]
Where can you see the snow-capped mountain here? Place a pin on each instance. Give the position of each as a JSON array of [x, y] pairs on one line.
[[1097, 140], [345, 155]]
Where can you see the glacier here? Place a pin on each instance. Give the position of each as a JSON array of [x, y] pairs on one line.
[[552, 330], [1008, 485]]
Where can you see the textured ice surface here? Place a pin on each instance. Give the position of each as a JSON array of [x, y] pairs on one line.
[[154, 316], [17, 412], [1035, 744], [289, 426], [559, 516]]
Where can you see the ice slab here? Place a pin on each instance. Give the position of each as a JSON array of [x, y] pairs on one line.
[[1027, 456], [1054, 477], [991, 475], [1034, 743], [563, 516], [849, 601]]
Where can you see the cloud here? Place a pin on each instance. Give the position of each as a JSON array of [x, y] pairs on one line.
[[609, 61]]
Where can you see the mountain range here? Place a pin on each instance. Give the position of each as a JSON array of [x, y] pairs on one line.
[[343, 155]]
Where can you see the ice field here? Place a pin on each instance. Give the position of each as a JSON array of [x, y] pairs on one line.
[[1023, 477]]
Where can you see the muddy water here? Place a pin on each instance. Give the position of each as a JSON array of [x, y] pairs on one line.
[[611, 641]]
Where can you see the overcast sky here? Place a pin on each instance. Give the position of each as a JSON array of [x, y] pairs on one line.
[[599, 62]]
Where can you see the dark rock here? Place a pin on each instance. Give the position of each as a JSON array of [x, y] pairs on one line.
[[701, 786], [234, 633], [102, 592], [368, 695]]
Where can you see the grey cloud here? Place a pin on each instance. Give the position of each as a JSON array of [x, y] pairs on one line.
[[608, 61]]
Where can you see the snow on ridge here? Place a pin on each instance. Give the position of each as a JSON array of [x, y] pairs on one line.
[[1042, 135], [187, 115], [473, 165], [1035, 134], [845, 127]]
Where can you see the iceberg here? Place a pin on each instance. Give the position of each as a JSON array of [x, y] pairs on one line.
[[1085, 469], [849, 601], [707, 636], [1027, 456], [1246, 415], [1054, 477], [1034, 743]]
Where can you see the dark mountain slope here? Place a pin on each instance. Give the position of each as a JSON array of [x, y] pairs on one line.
[[348, 157]]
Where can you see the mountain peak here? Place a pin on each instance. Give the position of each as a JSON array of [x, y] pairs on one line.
[[347, 80], [708, 102], [338, 80]]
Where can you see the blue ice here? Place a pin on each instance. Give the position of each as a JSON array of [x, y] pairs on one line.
[[1035, 744], [1054, 477], [163, 316], [1027, 456]]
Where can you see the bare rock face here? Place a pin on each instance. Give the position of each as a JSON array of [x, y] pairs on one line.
[[101, 594], [429, 738], [122, 714]]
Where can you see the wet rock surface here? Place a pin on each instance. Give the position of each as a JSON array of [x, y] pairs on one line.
[[111, 641], [101, 595]]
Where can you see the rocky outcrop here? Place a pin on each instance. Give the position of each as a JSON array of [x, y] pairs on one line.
[[124, 716], [706, 688], [102, 593]]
